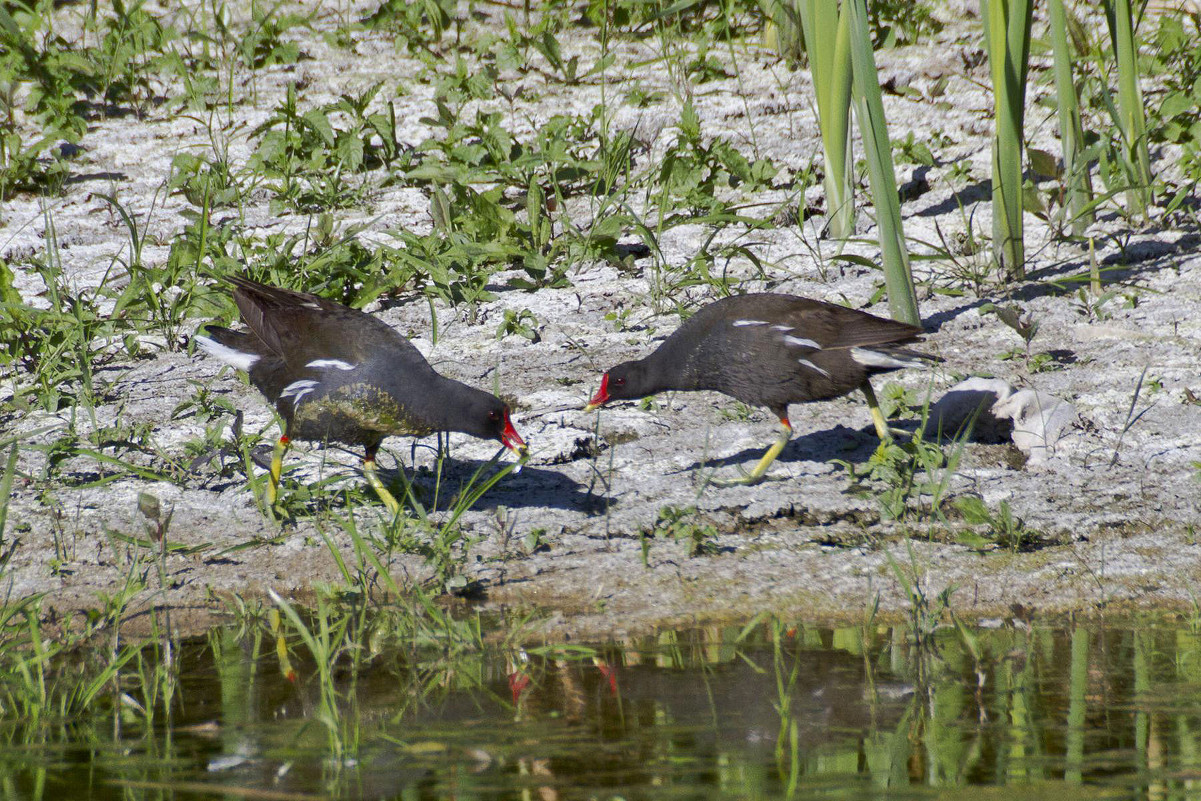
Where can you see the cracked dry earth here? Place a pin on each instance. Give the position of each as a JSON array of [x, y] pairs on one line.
[[1114, 509]]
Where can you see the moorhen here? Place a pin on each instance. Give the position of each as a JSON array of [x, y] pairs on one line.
[[335, 373], [770, 350]]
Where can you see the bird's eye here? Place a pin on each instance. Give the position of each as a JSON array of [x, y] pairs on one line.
[[619, 382], [494, 415]]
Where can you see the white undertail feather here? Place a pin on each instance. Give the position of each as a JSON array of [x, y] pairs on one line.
[[875, 358], [299, 389], [812, 366], [802, 342], [237, 358], [338, 363]]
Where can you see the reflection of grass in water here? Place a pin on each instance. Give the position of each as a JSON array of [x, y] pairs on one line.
[[409, 695]]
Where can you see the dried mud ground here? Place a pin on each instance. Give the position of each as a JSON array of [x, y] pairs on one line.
[[1114, 511]]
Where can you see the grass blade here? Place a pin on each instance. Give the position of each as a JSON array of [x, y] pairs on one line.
[[1131, 116], [827, 43], [869, 113], [1077, 181], [6, 489], [1007, 36]]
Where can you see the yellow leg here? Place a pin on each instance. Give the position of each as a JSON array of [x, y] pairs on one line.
[[277, 467], [756, 475], [377, 485], [873, 406]]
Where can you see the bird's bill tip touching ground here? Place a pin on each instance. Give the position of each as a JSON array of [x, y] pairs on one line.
[[511, 439], [601, 397]]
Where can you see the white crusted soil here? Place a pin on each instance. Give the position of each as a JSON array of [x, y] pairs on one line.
[[1116, 505]]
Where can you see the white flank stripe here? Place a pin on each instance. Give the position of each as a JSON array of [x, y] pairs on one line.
[[781, 328], [874, 358], [812, 366], [803, 343], [240, 360], [741, 323], [299, 389], [338, 363]]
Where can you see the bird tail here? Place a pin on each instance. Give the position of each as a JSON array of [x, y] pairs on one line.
[[891, 358], [237, 348]]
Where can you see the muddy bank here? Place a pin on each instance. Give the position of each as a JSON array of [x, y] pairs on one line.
[[597, 532]]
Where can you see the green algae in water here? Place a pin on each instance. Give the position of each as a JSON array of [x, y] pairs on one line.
[[769, 711]]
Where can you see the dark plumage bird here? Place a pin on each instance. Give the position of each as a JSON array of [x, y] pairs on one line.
[[337, 374], [770, 350]]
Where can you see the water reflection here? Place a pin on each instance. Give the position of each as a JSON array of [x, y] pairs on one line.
[[770, 710]]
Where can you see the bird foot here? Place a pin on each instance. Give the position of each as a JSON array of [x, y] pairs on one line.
[[745, 480], [893, 433]]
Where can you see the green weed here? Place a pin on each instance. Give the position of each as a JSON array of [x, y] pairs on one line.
[[1003, 527], [682, 525], [307, 160]]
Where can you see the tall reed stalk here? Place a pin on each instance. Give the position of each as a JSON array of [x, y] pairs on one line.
[[1007, 39], [1131, 116], [877, 150], [827, 43], [1077, 181]]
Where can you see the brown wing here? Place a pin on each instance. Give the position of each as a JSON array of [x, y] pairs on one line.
[[834, 327], [772, 350], [299, 327]]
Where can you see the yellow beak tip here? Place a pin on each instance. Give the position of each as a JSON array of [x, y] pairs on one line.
[[592, 407]]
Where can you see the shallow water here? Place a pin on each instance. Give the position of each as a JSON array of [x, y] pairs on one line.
[[770, 710]]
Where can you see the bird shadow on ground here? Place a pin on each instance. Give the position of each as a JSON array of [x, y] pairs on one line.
[[531, 488], [840, 442]]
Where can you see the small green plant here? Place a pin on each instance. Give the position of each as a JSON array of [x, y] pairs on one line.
[[682, 524], [737, 411], [900, 402], [439, 538], [908, 471], [926, 611], [263, 43], [535, 541], [523, 323], [1004, 527], [163, 297], [205, 182], [1021, 323], [901, 22], [415, 26], [57, 77], [308, 159], [694, 172], [1035, 362], [912, 150], [58, 347], [916, 473], [132, 49], [1092, 307]]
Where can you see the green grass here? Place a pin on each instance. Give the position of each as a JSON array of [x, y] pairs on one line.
[[515, 204]]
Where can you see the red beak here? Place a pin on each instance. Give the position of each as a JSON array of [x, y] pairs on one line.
[[601, 397], [511, 439]]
